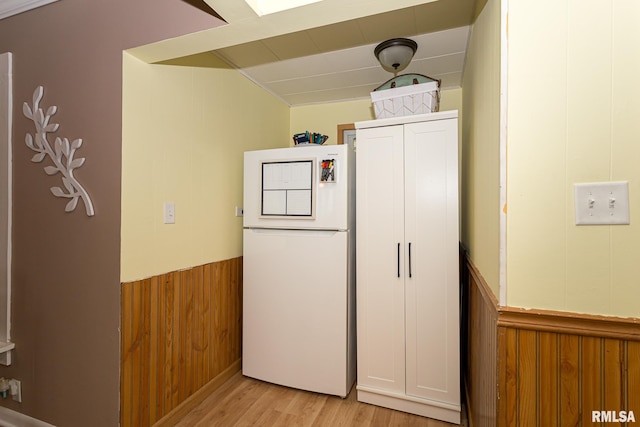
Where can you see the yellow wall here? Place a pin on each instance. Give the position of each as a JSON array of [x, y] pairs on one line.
[[451, 99], [480, 154], [185, 128], [186, 124], [573, 111], [325, 118]]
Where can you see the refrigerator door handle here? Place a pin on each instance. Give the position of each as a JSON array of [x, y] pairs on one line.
[[398, 259], [294, 232]]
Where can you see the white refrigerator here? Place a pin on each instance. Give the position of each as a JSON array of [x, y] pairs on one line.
[[299, 267]]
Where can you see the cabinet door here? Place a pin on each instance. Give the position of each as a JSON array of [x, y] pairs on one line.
[[379, 257], [431, 225]]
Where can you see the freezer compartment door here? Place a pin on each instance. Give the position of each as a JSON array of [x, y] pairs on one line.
[[295, 309]]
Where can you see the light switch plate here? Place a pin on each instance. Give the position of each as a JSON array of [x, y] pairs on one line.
[[169, 213], [602, 203]]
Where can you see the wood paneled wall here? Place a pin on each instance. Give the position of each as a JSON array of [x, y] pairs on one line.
[[545, 368], [551, 374], [481, 342], [179, 331]]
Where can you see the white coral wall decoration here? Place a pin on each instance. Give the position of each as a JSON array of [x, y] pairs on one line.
[[61, 154]]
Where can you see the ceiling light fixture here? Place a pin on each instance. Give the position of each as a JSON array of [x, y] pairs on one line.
[[395, 54]]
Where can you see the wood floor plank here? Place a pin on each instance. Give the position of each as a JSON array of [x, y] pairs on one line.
[[207, 406], [381, 418], [364, 415], [329, 413], [228, 410], [264, 411], [303, 409], [347, 411], [243, 401]]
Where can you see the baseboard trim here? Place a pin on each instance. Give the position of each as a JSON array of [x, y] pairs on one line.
[[9, 418], [564, 322], [487, 294], [179, 412], [426, 408], [570, 323]]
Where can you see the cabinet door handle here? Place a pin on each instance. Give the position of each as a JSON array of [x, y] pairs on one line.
[[409, 259], [398, 259]]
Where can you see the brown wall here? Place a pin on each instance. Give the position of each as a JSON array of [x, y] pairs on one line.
[[66, 266]]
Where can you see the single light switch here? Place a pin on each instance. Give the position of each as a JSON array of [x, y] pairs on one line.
[[602, 203], [169, 213]]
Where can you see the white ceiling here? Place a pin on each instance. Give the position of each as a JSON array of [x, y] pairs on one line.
[[306, 64], [336, 62], [354, 73], [13, 7]]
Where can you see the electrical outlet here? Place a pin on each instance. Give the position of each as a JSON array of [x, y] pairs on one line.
[[239, 211], [15, 387]]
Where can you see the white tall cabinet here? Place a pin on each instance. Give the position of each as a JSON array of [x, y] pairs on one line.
[[407, 264]]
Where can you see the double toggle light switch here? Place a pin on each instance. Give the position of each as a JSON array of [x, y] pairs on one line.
[[602, 203]]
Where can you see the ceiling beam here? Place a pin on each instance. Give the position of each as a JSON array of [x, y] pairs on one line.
[[245, 26], [232, 11], [203, 6]]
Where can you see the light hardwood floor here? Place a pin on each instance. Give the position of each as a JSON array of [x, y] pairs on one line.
[[243, 401]]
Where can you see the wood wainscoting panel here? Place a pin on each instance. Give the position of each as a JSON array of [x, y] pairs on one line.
[[179, 331], [545, 368], [555, 379], [480, 341], [591, 375], [549, 373], [633, 376], [569, 382]]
